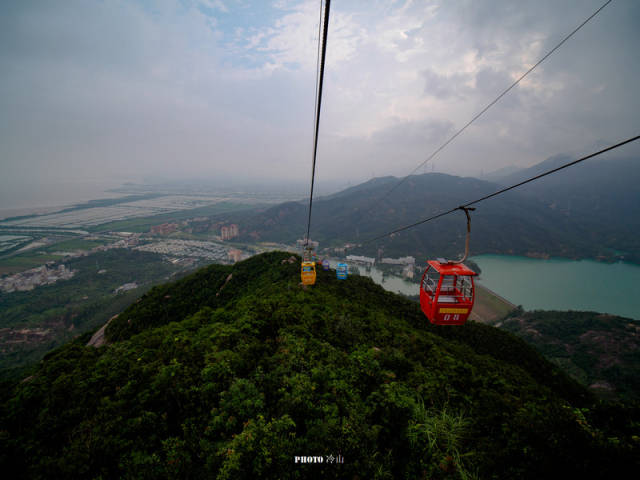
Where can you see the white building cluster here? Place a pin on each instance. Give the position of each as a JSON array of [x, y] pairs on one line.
[[360, 259], [187, 248], [28, 280], [126, 287], [399, 261], [302, 242]]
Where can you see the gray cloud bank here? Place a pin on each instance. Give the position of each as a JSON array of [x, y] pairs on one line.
[[124, 90]]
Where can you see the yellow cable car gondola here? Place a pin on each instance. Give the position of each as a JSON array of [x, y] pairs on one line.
[[308, 273]]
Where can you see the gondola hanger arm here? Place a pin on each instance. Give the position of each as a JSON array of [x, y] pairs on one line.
[[466, 211]]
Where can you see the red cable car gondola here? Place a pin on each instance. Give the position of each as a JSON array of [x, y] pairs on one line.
[[446, 292], [446, 288]]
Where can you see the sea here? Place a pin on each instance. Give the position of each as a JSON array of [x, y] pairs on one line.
[[27, 199]]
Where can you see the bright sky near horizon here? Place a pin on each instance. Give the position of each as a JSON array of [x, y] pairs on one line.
[[180, 89]]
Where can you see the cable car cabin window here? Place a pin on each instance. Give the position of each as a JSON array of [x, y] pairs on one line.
[[447, 287], [447, 290], [464, 288], [307, 269], [430, 283]]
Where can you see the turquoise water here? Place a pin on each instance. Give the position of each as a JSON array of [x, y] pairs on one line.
[[558, 284]]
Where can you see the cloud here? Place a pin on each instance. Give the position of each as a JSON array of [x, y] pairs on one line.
[[208, 88], [445, 86], [215, 5]]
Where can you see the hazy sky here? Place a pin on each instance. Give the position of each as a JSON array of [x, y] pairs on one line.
[[125, 90]]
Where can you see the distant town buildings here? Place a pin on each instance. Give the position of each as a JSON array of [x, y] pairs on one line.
[[360, 259], [198, 225], [408, 271], [187, 248], [227, 233], [28, 280], [164, 229], [127, 240], [399, 261], [302, 242], [235, 255]]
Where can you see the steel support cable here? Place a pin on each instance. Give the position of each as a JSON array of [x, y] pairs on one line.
[[478, 115], [319, 82], [315, 92], [506, 189]]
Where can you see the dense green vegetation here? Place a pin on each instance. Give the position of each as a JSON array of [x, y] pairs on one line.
[[231, 372], [69, 307], [602, 351], [601, 196]]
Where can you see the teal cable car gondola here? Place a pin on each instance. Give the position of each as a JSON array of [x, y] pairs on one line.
[[342, 271]]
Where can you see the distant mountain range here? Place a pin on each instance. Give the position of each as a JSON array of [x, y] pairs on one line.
[[604, 194], [587, 211]]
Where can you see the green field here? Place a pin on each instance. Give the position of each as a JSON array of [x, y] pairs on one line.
[[72, 245], [42, 255], [25, 261], [489, 307]]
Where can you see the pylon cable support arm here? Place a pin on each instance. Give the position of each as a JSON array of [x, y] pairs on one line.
[[466, 211]]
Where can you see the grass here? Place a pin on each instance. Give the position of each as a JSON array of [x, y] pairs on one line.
[[42, 255], [136, 225], [489, 307], [71, 245]]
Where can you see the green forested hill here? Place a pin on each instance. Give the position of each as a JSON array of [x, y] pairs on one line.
[[516, 223], [602, 196], [34, 322], [233, 372]]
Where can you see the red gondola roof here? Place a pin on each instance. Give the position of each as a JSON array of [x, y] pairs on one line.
[[451, 268]]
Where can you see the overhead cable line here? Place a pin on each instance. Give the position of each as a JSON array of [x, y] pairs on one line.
[[319, 82], [315, 92], [478, 115], [468, 204]]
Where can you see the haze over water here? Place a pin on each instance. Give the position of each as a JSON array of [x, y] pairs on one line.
[[23, 199], [559, 284]]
